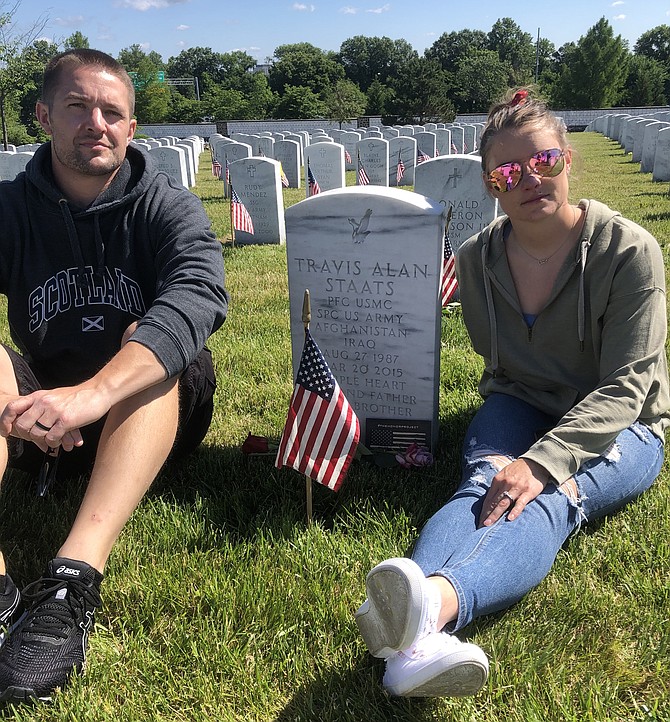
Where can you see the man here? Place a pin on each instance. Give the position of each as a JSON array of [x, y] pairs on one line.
[[114, 283]]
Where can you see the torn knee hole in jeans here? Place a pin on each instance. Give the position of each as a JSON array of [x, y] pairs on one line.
[[485, 458]]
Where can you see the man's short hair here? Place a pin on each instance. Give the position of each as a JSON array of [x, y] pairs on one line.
[[80, 57]]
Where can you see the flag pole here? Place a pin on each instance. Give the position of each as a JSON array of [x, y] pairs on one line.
[[306, 318]]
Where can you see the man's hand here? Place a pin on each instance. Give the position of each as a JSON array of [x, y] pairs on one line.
[[54, 417], [512, 488]]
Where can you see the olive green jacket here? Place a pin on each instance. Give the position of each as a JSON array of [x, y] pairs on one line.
[[595, 356]]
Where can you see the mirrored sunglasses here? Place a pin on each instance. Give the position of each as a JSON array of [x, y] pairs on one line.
[[546, 164]]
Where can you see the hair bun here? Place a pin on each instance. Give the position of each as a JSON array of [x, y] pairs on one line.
[[519, 98]]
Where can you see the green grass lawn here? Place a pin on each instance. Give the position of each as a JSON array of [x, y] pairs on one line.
[[221, 604]]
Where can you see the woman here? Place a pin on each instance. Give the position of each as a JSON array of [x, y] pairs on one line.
[[566, 304]]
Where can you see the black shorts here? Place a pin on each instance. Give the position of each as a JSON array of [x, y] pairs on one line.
[[196, 404]]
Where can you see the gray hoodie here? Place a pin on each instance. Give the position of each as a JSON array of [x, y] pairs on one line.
[[76, 278], [594, 358]]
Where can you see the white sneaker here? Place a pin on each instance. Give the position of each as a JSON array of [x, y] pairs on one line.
[[401, 607], [438, 665]]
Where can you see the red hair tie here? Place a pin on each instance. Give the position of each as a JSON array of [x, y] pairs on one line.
[[519, 98]]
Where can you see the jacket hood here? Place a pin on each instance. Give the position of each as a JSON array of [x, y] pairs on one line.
[[130, 182]]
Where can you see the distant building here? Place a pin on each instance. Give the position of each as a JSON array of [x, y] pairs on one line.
[[262, 68]]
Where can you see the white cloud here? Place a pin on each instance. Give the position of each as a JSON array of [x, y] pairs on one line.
[[379, 11], [348, 10], [147, 4], [301, 7], [617, 3], [183, 27], [619, 17], [71, 21]]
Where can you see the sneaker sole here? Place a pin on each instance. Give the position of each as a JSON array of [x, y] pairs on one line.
[[464, 675], [21, 695], [389, 619]]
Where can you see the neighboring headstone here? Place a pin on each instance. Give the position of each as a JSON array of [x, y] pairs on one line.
[[171, 161], [457, 139], [649, 145], [326, 161], [257, 184], [456, 180], [266, 146], [443, 141], [389, 133], [469, 139], [287, 152], [373, 154], [229, 153], [375, 305], [638, 137], [190, 162], [349, 140], [661, 170], [402, 148], [426, 143]]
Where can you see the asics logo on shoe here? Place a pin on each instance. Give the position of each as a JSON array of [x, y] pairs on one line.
[[67, 570]]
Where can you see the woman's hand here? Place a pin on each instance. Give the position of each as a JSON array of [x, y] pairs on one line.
[[512, 488]]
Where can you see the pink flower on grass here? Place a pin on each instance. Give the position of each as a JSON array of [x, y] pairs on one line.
[[414, 456]]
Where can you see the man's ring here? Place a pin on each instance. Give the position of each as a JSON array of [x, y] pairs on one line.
[[42, 426]]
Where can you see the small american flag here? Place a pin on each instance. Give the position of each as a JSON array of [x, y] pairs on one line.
[[400, 170], [347, 156], [454, 149], [241, 218], [227, 171], [421, 157], [216, 169], [312, 182], [363, 179], [449, 282], [322, 431], [282, 175]]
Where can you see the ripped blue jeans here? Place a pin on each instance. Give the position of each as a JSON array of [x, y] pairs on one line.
[[493, 567]]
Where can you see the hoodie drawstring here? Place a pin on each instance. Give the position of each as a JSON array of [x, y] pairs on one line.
[[584, 249], [75, 247]]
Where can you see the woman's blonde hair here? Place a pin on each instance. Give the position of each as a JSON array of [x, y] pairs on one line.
[[517, 109]]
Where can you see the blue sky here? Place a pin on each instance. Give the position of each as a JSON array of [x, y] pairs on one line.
[[259, 26]]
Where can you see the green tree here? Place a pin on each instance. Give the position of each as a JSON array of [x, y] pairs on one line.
[[645, 84], [197, 62], [380, 99], [17, 70], [133, 57], [593, 74], [422, 93], [304, 65], [450, 48], [655, 45], [369, 59], [34, 58], [184, 110], [480, 79], [297, 101], [515, 48], [345, 101], [152, 97], [77, 40]]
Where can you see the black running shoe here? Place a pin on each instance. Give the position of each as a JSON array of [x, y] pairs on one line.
[[49, 641]]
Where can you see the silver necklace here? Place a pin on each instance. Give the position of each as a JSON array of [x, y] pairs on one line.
[[546, 259]]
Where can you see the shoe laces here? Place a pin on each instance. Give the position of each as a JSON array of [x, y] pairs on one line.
[[53, 616]]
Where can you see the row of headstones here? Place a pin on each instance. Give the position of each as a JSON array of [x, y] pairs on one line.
[[177, 157], [384, 162], [647, 138], [450, 180]]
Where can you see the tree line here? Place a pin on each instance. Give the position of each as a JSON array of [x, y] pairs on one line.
[[461, 72]]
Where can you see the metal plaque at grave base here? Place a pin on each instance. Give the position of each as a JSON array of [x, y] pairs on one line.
[[392, 435]]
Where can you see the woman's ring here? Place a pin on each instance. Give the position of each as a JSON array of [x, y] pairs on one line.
[[505, 495], [42, 426]]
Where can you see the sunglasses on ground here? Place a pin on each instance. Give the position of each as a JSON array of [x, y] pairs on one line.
[[546, 164]]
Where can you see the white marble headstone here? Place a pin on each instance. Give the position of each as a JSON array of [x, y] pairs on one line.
[[373, 155], [456, 180], [376, 312], [326, 161]]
